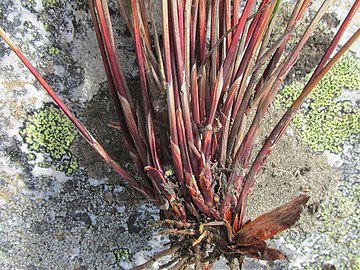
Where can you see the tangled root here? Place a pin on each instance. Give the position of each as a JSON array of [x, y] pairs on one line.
[[204, 243], [194, 244]]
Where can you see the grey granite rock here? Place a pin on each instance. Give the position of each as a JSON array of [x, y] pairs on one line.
[[61, 207]]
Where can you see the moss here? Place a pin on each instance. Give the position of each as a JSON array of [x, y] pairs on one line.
[[50, 132], [326, 120], [122, 254]]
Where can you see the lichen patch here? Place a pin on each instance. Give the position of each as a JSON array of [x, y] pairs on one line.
[[49, 132], [327, 118]]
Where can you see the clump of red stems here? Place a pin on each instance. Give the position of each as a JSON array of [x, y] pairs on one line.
[[191, 136]]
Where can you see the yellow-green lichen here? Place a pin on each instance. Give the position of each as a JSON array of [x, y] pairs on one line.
[[28, 24], [53, 51], [336, 241], [326, 119], [122, 255], [30, 156], [340, 219], [50, 3], [50, 132], [46, 26], [357, 264], [80, 3]]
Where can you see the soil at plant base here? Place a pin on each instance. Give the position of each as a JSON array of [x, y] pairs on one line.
[[292, 168]]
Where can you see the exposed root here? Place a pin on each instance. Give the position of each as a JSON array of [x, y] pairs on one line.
[[235, 264], [176, 223], [161, 254], [181, 264], [201, 244], [198, 264], [170, 263], [200, 238], [175, 231]]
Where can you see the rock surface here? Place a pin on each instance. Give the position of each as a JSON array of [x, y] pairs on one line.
[[61, 207]]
